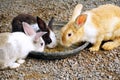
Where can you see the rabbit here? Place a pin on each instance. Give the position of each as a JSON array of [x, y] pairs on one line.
[[38, 25], [94, 26], [14, 47]]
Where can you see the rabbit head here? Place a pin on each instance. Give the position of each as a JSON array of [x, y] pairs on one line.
[[49, 37], [36, 37], [69, 33]]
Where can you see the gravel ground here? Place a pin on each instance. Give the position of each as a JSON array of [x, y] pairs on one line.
[[101, 65]]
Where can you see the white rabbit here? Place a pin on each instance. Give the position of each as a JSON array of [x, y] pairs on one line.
[[14, 47]]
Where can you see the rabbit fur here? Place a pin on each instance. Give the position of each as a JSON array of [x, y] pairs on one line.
[[14, 47], [94, 26]]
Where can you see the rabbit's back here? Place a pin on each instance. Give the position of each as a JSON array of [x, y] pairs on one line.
[[17, 22], [16, 43], [22, 43]]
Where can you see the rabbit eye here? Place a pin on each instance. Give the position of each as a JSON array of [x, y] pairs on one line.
[[41, 44], [69, 34]]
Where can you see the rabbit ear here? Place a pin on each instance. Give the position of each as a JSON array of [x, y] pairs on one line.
[[38, 35], [81, 20], [51, 23], [77, 11], [28, 29], [41, 24]]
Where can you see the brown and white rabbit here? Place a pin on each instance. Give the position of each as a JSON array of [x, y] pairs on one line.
[[14, 47], [96, 25], [38, 25]]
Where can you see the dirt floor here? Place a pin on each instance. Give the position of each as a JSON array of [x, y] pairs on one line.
[[101, 65]]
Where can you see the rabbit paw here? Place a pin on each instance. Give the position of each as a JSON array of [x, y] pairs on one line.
[[14, 65], [109, 45], [94, 49], [20, 61]]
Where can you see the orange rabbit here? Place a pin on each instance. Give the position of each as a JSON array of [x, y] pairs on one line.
[[96, 25]]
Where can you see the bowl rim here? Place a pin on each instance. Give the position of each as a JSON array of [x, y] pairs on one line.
[[57, 55]]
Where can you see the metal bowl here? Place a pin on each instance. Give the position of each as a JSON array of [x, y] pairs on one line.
[[64, 53]]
